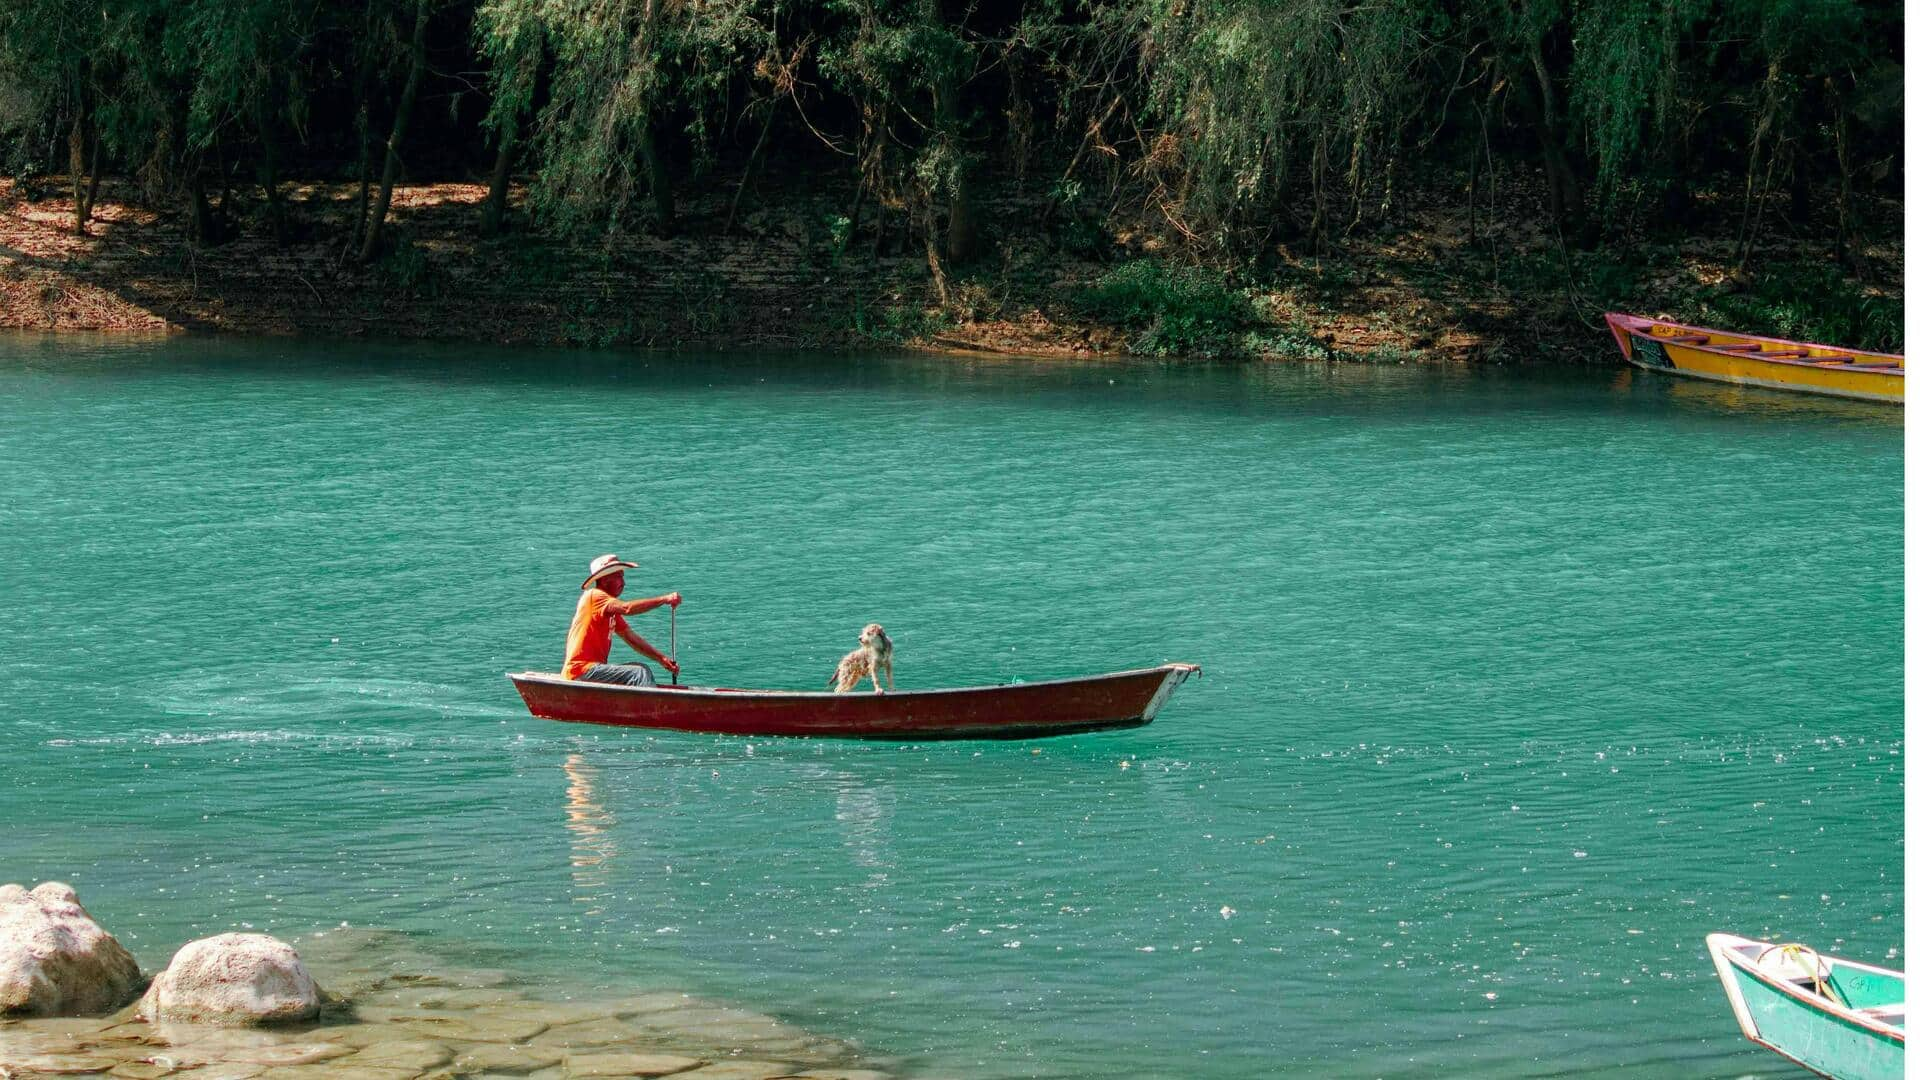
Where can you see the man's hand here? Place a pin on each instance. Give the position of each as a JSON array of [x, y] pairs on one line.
[[672, 599], [672, 668]]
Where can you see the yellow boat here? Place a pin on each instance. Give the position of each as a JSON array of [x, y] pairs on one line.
[[1746, 360]]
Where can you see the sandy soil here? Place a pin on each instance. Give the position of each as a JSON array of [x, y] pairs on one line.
[[1427, 287]]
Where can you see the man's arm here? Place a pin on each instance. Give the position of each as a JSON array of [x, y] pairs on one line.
[[644, 648], [635, 607]]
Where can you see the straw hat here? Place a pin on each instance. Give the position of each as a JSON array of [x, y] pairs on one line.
[[604, 565]]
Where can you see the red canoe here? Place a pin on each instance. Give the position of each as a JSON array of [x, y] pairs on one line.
[[1017, 711]]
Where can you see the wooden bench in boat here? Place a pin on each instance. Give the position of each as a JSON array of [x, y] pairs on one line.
[[1763, 353]]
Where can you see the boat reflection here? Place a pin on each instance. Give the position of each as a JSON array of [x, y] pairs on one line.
[[865, 813], [593, 844], [1757, 400]]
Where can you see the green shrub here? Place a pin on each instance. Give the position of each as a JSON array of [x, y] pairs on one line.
[[701, 300], [900, 324], [1173, 310], [408, 269], [1388, 354], [1820, 305], [1289, 342]]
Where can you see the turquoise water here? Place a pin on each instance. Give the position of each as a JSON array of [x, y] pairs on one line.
[[1517, 685]]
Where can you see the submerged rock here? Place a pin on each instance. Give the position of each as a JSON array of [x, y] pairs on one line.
[[740, 1070], [628, 1064], [416, 1055], [55, 960], [63, 1064], [605, 1031], [500, 1058], [406, 1025], [491, 1027], [233, 979]]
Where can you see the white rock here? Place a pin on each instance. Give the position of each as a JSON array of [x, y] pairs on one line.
[[233, 979], [55, 960]]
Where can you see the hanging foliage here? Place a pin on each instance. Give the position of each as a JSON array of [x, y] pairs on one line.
[[1224, 126]]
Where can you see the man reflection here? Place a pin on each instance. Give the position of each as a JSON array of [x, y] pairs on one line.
[[591, 826]]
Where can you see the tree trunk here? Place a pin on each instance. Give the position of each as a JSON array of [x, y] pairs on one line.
[[493, 212], [662, 188], [1473, 198], [866, 176], [1564, 188], [93, 178], [1317, 231], [963, 235], [1843, 200], [263, 112], [933, 250], [963, 239], [1800, 186], [77, 138], [746, 174], [1753, 208], [202, 213], [1676, 201], [363, 123], [401, 113], [366, 180]]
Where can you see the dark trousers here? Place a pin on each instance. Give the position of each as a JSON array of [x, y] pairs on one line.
[[635, 674]]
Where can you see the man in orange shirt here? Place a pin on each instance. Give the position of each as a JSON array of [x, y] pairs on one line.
[[601, 614]]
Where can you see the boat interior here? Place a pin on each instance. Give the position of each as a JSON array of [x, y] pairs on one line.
[[1769, 350]]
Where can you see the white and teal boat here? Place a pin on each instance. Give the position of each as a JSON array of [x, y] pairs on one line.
[[1835, 1017]]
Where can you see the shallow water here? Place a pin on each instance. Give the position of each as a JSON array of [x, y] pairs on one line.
[[1517, 685]]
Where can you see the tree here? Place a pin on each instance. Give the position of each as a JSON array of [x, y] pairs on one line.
[[48, 47], [240, 65], [510, 36], [402, 114]]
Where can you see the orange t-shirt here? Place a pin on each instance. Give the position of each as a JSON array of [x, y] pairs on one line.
[[590, 637]]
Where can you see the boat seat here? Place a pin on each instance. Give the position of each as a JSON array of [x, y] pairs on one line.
[[1687, 339], [1742, 346], [1895, 1014]]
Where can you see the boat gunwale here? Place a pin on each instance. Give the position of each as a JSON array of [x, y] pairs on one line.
[[1724, 949], [548, 678], [1625, 323]]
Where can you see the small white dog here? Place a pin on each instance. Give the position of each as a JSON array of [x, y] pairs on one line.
[[874, 655]]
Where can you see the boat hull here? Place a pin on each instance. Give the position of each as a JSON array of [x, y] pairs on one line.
[[1744, 360], [1865, 1042], [1018, 711]]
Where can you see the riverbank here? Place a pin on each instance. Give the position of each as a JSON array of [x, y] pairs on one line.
[[396, 1012], [1438, 286]]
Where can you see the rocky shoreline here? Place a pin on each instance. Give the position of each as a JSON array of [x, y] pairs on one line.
[[391, 1011]]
